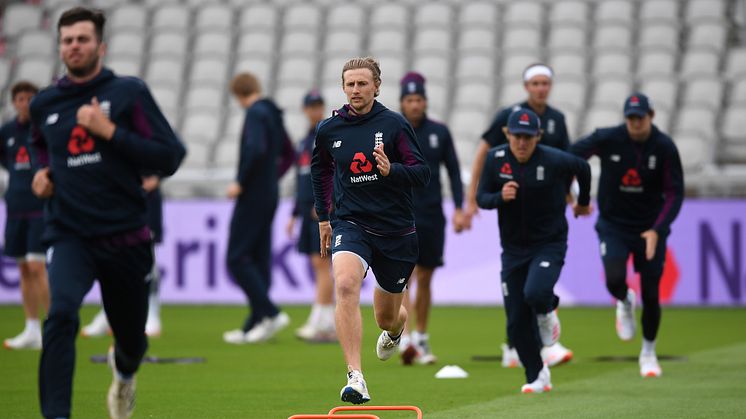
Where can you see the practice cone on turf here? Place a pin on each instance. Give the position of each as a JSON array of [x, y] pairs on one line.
[[451, 371]]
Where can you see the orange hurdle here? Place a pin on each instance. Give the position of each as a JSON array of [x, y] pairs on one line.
[[353, 408], [330, 416]]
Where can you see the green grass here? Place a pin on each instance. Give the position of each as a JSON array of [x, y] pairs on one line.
[[286, 376]]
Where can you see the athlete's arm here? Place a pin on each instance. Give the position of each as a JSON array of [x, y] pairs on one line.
[[411, 169], [476, 173], [489, 194], [322, 178], [673, 190]]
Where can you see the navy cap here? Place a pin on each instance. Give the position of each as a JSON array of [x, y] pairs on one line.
[[524, 121], [312, 97], [637, 104], [412, 83]]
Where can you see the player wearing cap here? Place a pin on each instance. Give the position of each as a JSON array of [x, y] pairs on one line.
[[24, 221], [437, 146], [368, 157], [320, 324], [266, 153], [527, 183], [537, 80], [639, 195]]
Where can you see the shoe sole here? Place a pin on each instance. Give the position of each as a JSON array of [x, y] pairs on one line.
[[565, 359], [349, 395], [547, 389]]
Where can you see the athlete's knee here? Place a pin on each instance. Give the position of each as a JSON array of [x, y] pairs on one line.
[[616, 277], [36, 270], [387, 320], [347, 287], [62, 321], [539, 299]]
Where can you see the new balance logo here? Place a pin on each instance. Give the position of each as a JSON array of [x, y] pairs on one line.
[[544, 264], [53, 118], [338, 240], [337, 144], [401, 280]]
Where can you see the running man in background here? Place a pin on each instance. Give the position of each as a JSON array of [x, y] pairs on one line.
[[266, 153], [320, 324], [436, 144], [99, 326], [24, 222], [368, 157], [527, 183], [93, 134], [537, 80], [639, 195]]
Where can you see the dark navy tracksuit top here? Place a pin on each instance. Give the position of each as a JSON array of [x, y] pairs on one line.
[[97, 183], [266, 153], [20, 201], [343, 163], [437, 146], [642, 184], [552, 123], [537, 216], [304, 187]]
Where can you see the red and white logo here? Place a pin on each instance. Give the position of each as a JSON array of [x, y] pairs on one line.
[[360, 164], [631, 178], [634, 101], [22, 155], [80, 141], [506, 169], [524, 120]]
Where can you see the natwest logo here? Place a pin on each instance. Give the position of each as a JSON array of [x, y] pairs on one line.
[[631, 178], [360, 164], [506, 169], [22, 155], [80, 141]]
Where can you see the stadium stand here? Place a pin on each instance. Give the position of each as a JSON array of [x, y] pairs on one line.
[[689, 56]]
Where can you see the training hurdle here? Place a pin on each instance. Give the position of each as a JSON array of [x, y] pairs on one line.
[[332, 413]]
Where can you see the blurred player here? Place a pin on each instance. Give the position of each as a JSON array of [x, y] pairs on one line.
[[99, 326], [266, 153], [639, 195], [24, 221], [537, 80], [437, 146], [527, 183], [320, 324], [368, 157], [93, 134]]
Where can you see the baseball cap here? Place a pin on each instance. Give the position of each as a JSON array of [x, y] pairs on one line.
[[637, 104], [412, 83], [312, 97], [524, 121]]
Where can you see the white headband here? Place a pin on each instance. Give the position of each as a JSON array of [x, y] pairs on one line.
[[537, 70]]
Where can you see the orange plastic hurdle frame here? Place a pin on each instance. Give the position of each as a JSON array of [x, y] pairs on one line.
[[327, 416], [353, 408]]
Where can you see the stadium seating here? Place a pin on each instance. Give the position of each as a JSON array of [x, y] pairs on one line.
[[688, 56]]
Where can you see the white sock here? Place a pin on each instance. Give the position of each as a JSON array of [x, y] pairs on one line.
[[33, 326], [422, 337], [648, 347], [315, 315], [326, 319], [405, 340], [154, 306]]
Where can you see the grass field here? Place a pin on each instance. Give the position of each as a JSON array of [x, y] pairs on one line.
[[286, 376]]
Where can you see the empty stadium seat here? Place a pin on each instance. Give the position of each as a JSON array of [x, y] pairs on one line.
[[432, 40], [735, 65], [345, 41], [699, 63], [125, 65], [433, 67], [4, 72], [511, 93], [437, 98], [36, 70], [166, 97], [656, 63], [612, 37], [611, 64], [200, 126], [298, 70], [601, 117], [256, 43], [694, 151], [568, 94], [705, 10], [165, 71], [127, 17], [659, 36], [301, 42], [568, 64], [171, 16], [573, 13], [170, 43], [388, 16], [126, 43], [36, 42], [614, 12], [19, 17], [209, 97], [209, 70], [346, 16], [473, 94], [258, 17], [213, 17], [476, 67], [430, 15], [476, 14], [611, 92], [107, 4], [289, 97], [732, 131], [706, 91], [567, 37], [662, 91], [738, 92], [387, 41], [514, 64], [710, 35], [258, 66], [524, 13], [227, 152], [521, 38], [699, 119], [331, 70], [302, 16], [659, 11], [213, 43], [477, 40]]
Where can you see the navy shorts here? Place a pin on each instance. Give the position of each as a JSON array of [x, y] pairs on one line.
[[431, 237], [309, 241], [617, 244], [392, 259], [23, 236]]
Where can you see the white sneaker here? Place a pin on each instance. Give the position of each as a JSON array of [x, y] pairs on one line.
[[549, 327], [426, 356], [649, 366], [314, 334], [386, 347], [555, 354], [96, 328], [510, 357], [625, 317], [121, 397], [235, 337], [356, 391], [25, 340], [542, 383], [153, 326], [267, 328]]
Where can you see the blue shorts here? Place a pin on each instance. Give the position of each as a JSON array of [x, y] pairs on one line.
[[617, 244], [392, 259], [431, 236], [309, 241], [23, 236]]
